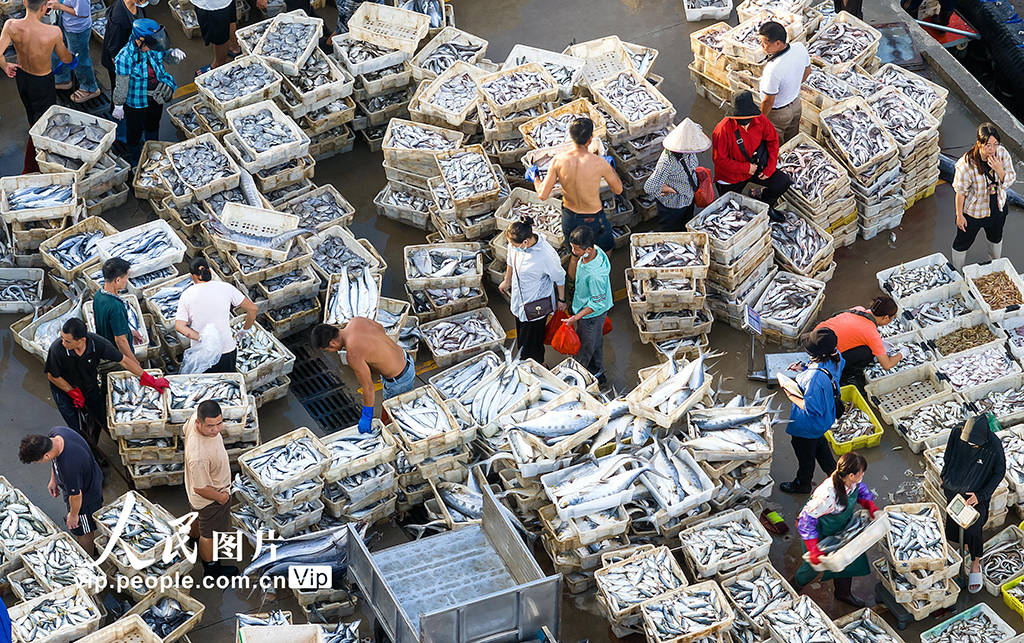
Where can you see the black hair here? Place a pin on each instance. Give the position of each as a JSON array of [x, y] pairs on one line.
[[322, 335], [115, 268], [581, 130], [773, 31], [200, 267], [208, 409], [985, 132], [34, 5], [849, 463], [883, 306], [583, 237], [74, 327], [520, 230], [33, 448]]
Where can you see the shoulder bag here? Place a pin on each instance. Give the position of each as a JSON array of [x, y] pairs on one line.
[[536, 309]]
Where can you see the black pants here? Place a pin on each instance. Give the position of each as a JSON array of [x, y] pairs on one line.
[[972, 535], [226, 364], [530, 338], [992, 225], [857, 359], [37, 93], [139, 121], [774, 187], [94, 406], [854, 7], [673, 219], [809, 450]]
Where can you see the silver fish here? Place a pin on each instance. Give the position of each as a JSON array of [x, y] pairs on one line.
[[454, 94], [53, 617], [812, 170], [978, 627], [839, 42], [668, 254], [974, 369], [460, 333], [631, 97], [447, 54], [902, 118], [246, 76], [356, 294], [787, 299], [916, 536], [857, 135], [726, 221], [641, 577], [200, 163], [286, 41], [285, 461], [131, 401], [914, 354], [933, 419], [910, 84], [413, 136], [84, 131], [320, 209], [440, 261], [803, 621]]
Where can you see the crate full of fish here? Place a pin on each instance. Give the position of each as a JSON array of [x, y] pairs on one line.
[[859, 137], [591, 487], [623, 586], [566, 536], [701, 10], [741, 433], [449, 46], [454, 338], [243, 81], [335, 249], [203, 167], [134, 410], [73, 134], [68, 252], [36, 197], [788, 304], [724, 542], [572, 373], [1002, 559], [733, 224], [669, 255], [24, 526], [187, 391], [152, 522], [171, 613], [669, 392], [299, 284], [552, 128], [928, 423], [803, 620], [910, 125], [276, 465], [147, 247], [997, 286], [412, 146], [565, 69], [690, 613], [916, 538], [842, 548], [320, 81], [918, 276], [1003, 397], [661, 294], [801, 247], [444, 265], [676, 481], [516, 89], [978, 622], [858, 428], [634, 102], [287, 173], [978, 366], [353, 452], [65, 615], [361, 57], [742, 41], [147, 450], [289, 41], [352, 293], [422, 424], [450, 99], [266, 134], [756, 590], [559, 426], [58, 561], [21, 289], [927, 94]]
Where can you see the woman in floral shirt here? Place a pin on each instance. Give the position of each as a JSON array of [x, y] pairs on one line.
[[982, 176]]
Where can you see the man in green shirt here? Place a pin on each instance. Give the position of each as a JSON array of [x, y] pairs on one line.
[[111, 312]]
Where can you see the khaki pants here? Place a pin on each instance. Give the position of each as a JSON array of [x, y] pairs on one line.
[[786, 120]]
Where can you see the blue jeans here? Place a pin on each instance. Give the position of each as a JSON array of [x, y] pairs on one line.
[[403, 382], [598, 222], [78, 43]]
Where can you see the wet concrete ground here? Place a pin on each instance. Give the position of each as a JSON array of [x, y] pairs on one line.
[[926, 228]]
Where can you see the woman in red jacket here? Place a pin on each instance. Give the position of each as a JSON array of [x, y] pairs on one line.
[[745, 148]]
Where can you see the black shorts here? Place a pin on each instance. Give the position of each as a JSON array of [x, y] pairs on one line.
[[215, 26], [37, 93], [86, 524], [214, 517]]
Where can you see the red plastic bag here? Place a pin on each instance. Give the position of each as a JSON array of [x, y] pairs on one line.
[[554, 323], [566, 341], [607, 328], [705, 192]]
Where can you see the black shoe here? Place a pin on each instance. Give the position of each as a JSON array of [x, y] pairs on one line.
[[844, 593], [793, 487]]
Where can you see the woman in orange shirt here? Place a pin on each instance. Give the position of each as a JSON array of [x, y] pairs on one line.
[[860, 343]]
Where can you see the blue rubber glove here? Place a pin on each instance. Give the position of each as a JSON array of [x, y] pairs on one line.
[[610, 160], [532, 172], [366, 420], [71, 65]]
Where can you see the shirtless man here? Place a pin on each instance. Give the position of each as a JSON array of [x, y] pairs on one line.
[[367, 347], [579, 171], [35, 42]]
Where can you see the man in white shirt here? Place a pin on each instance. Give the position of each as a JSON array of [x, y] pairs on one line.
[[787, 67]]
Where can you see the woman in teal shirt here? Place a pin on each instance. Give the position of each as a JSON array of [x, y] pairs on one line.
[[591, 300]]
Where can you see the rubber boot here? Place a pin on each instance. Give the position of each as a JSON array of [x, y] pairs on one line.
[[959, 259], [944, 16], [844, 592], [995, 250], [151, 136]]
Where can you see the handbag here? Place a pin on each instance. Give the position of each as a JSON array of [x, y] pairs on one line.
[[760, 158], [703, 188], [538, 308], [840, 405]]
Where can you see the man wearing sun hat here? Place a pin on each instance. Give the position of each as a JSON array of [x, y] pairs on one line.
[[674, 179]]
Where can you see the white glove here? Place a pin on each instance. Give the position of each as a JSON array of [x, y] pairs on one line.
[[118, 112], [176, 55], [241, 334]]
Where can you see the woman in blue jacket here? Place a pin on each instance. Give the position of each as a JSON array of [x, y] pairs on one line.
[[815, 413]]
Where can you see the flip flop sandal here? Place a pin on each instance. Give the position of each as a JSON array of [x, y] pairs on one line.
[[64, 86], [202, 70], [774, 523], [974, 582], [234, 54], [81, 96]]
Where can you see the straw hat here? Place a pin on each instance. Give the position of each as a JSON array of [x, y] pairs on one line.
[[686, 138]]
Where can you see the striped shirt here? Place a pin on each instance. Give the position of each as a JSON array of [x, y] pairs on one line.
[[975, 187], [670, 172]]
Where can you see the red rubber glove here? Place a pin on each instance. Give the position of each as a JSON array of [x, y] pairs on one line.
[[77, 398], [812, 549], [869, 505], [153, 382]]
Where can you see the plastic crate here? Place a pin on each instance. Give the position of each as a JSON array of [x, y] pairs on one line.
[[851, 395]]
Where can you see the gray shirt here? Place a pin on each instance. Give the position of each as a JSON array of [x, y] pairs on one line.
[[535, 272], [671, 172]]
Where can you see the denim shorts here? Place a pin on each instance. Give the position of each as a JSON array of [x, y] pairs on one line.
[[403, 383]]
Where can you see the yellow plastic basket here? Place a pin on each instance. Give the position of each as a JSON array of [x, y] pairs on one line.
[[1011, 601], [851, 395]]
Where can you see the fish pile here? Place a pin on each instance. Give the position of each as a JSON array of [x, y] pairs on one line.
[[861, 83], [187, 395], [227, 83], [744, 631], [455, 94], [421, 417], [676, 478], [570, 372], [914, 354], [742, 430], [936, 312], [912, 85], [21, 522], [797, 240], [413, 137], [630, 97], [642, 60], [437, 262], [998, 290], [144, 530], [933, 419], [974, 369], [77, 249], [709, 544], [1002, 562], [319, 209], [315, 72], [467, 174], [901, 116], [827, 84], [453, 335], [803, 621], [167, 296], [29, 586], [19, 290], [694, 610], [200, 163], [357, 51], [346, 448], [133, 402], [840, 42], [759, 594], [408, 200], [863, 630], [220, 199], [342, 632], [286, 41], [277, 617], [788, 299], [904, 281], [713, 37], [747, 33], [812, 170], [285, 462], [334, 256], [212, 118], [166, 615], [858, 135], [502, 391], [378, 103], [261, 131], [964, 339], [512, 86], [639, 578], [668, 254], [99, 25], [455, 382], [563, 75], [1002, 404], [683, 381], [724, 222], [50, 616], [354, 294], [447, 54], [255, 348], [976, 628], [857, 524], [61, 564], [855, 423], [86, 135], [915, 536], [44, 196], [553, 131], [147, 245], [552, 425]]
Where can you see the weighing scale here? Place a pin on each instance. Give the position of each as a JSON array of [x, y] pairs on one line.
[[774, 363]]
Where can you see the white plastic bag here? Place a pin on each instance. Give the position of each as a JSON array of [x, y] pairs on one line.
[[203, 354]]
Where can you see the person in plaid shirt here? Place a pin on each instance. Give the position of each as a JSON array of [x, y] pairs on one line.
[[143, 85], [982, 176]]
